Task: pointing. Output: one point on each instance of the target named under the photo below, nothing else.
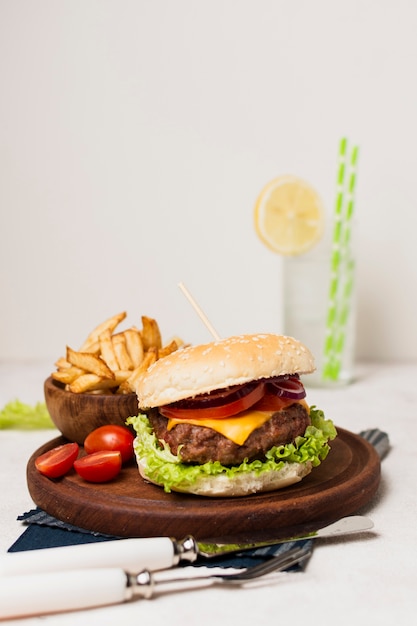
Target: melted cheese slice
(236, 428)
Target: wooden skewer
(198, 310)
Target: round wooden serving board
(130, 507)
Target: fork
(146, 583)
(54, 592)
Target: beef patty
(200, 444)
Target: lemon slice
(289, 216)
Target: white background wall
(137, 134)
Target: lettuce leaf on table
(20, 416)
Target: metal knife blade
(344, 526)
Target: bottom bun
(221, 486)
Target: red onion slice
(288, 387)
(218, 397)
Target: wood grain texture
(130, 507)
(76, 414)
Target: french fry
(90, 382)
(130, 384)
(168, 349)
(62, 363)
(123, 358)
(134, 346)
(93, 348)
(180, 342)
(67, 375)
(90, 363)
(120, 376)
(107, 350)
(151, 335)
(110, 362)
(110, 324)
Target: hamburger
(229, 418)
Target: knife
(55, 592)
(153, 553)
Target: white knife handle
(132, 555)
(54, 592)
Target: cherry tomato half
(99, 467)
(111, 437)
(58, 461)
(237, 401)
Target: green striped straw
(347, 276)
(329, 340)
(341, 283)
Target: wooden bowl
(77, 414)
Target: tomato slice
(99, 467)
(272, 402)
(234, 401)
(58, 461)
(217, 397)
(111, 437)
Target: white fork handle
(132, 555)
(54, 592)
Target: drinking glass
(319, 309)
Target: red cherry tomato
(58, 461)
(234, 402)
(99, 467)
(111, 437)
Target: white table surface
(370, 580)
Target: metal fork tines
(146, 583)
(275, 564)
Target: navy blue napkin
(45, 531)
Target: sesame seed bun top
(233, 361)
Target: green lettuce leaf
(20, 416)
(166, 468)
